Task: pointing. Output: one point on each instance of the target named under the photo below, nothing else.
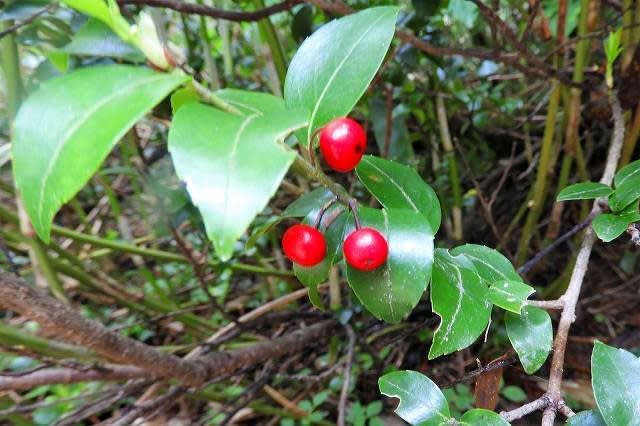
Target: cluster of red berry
(342, 143)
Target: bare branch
(520, 412)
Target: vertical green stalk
(449, 155)
(10, 62)
(540, 185)
(224, 29)
(269, 35)
(210, 63)
(627, 31)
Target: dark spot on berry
(358, 149)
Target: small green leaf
(95, 38)
(399, 187)
(624, 195)
(183, 96)
(615, 377)
(394, 289)
(490, 264)
(531, 335)
(421, 402)
(332, 68)
(608, 227)
(584, 191)
(510, 295)
(480, 416)
(81, 115)
(586, 418)
(459, 297)
(627, 174)
(513, 393)
(232, 164)
(308, 202)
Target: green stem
(211, 98)
(269, 35)
(142, 251)
(305, 169)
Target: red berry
(304, 245)
(342, 143)
(365, 249)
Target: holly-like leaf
(608, 227)
(232, 164)
(510, 295)
(531, 335)
(421, 402)
(80, 117)
(400, 187)
(459, 297)
(586, 418)
(615, 377)
(584, 191)
(332, 68)
(480, 416)
(490, 264)
(395, 288)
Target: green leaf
(480, 416)
(183, 96)
(95, 38)
(586, 418)
(584, 191)
(627, 183)
(459, 297)
(333, 67)
(394, 289)
(400, 148)
(531, 335)
(608, 227)
(81, 116)
(513, 393)
(21, 9)
(309, 202)
(615, 377)
(510, 295)
(399, 187)
(490, 264)
(231, 164)
(421, 402)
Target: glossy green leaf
(531, 335)
(586, 418)
(95, 38)
(231, 164)
(459, 297)
(334, 66)
(627, 174)
(510, 295)
(183, 96)
(608, 227)
(309, 202)
(81, 116)
(584, 191)
(490, 264)
(615, 378)
(480, 416)
(421, 401)
(400, 187)
(394, 289)
(625, 195)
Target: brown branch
(582, 262)
(540, 403)
(227, 15)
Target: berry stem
(312, 150)
(323, 210)
(353, 206)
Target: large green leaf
(480, 416)
(490, 264)
(510, 295)
(232, 164)
(333, 67)
(398, 186)
(421, 402)
(531, 335)
(586, 418)
(584, 191)
(459, 297)
(627, 174)
(615, 377)
(394, 289)
(608, 227)
(64, 131)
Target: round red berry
(304, 245)
(342, 143)
(365, 249)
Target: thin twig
(344, 392)
(520, 412)
(27, 20)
